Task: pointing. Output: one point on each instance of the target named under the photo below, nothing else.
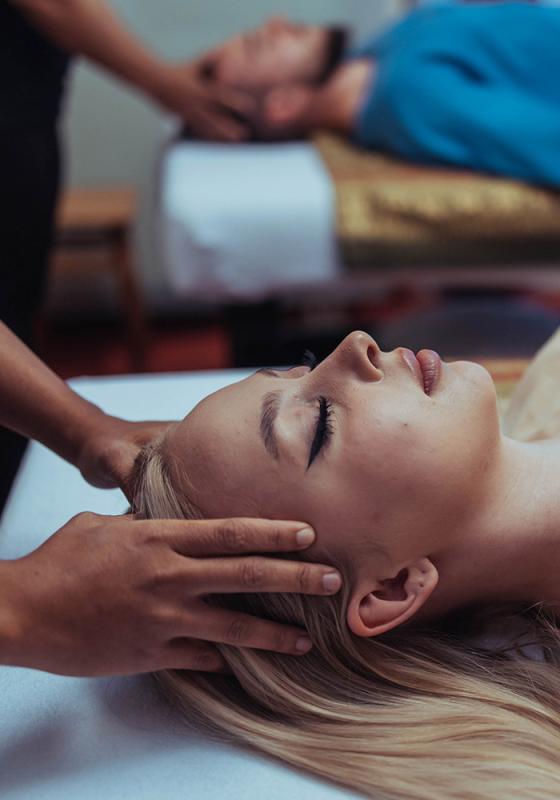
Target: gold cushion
(389, 212)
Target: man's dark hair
(337, 41)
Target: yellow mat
(389, 212)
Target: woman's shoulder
(534, 409)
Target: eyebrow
(267, 371)
(269, 412)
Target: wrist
(107, 446)
(12, 615)
(161, 86)
(87, 425)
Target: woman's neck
(510, 548)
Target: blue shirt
(475, 86)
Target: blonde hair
(416, 713)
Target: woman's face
(355, 447)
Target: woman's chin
(471, 381)
(471, 371)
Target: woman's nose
(358, 352)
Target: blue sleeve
(434, 112)
(388, 37)
(371, 47)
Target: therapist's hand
(210, 110)
(114, 595)
(109, 447)
(38, 404)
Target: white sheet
(245, 221)
(81, 739)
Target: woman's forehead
(219, 419)
(217, 443)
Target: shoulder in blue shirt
(473, 86)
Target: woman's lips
(430, 365)
(413, 364)
(426, 367)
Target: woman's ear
(392, 601)
(286, 106)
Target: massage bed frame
(324, 219)
(358, 240)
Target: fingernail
(304, 644)
(305, 537)
(332, 582)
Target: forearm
(38, 404)
(90, 28)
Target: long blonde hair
(416, 713)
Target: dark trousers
(29, 182)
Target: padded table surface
(87, 739)
(245, 221)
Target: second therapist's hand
(210, 110)
(114, 595)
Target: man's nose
(276, 23)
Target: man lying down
(471, 86)
(427, 506)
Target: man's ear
(391, 601)
(286, 106)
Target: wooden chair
(96, 222)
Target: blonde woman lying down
(429, 509)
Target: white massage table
(108, 739)
(251, 222)
(243, 222)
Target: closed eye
(324, 424)
(308, 359)
(323, 430)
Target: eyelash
(324, 428)
(309, 359)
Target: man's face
(278, 52)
